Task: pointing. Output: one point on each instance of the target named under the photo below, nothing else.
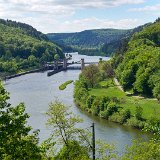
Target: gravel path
(121, 88)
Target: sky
(60, 16)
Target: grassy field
(151, 107)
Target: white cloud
(146, 8)
(94, 23)
(47, 15)
(61, 7)
(90, 23)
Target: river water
(37, 90)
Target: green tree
(91, 74)
(56, 57)
(106, 67)
(138, 112)
(73, 152)
(15, 140)
(106, 151)
(142, 151)
(64, 122)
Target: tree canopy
(23, 47)
(140, 66)
(16, 140)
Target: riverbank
(109, 102)
(37, 91)
(6, 76)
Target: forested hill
(139, 67)
(111, 47)
(89, 41)
(22, 47)
(25, 28)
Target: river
(37, 90)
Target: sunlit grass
(151, 107)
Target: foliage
(73, 152)
(16, 142)
(106, 69)
(91, 74)
(23, 47)
(139, 111)
(65, 131)
(153, 125)
(27, 29)
(105, 151)
(90, 42)
(139, 68)
(64, 85)
(134, 122)
(142, 151)
(56, 57)
(126, 114)
(108, 101)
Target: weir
(58, 66)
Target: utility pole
(93, 141)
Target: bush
(125, 114)
(153, 125)
(138, 113)
(134, 122)
(111, 108)
(116, 117)
(96, 106)
(89, 101)
(104, 114)
(73, 151)
(140, 150)
(120, 117)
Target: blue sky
(77, 15)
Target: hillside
(22, 47)
(89, 42)
(112, 47)
(25, 28)
(139, 67)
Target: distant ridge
(94, 42)
(88, 40)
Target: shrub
(89, 101)
(111, 108)
(115, 100)
(116, 117)
(104, 101)
(96, 106)
(125, 114)
(134, 122)
(104, 114)
(138, 113)
(153, 125)
(73, 151)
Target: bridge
(58, 66)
